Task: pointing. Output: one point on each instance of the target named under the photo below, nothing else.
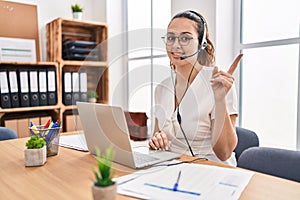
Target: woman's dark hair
(207, 56)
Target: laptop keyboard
(141, 158)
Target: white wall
(115, 10)
(226, 37)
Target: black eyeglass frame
(164, 38)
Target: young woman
(196, 108)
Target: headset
(203, 44)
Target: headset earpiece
(203, 44)
(203, 41)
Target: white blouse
(197, 112)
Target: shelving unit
(60, 30)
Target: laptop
(105, 125)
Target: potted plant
(104, 187)
(36, 152)
(92, 96)
(77, 11)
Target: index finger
(235, 64)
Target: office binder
(79, 43)
(52, 97)
(79, 50)
(34, 90)
(4, 89)
(75, 87)
(24, 88)
(83, 86)
(43, 87)
(67, 88)
(14, 89)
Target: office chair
(7, 133)
(274, 161)
(246, 139)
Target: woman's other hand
(159, 140)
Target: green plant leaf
(92, 94)
(104, 174)
(35, 142)
(76, 8)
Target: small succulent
(104, 174)
(76, 8)
(35, 142)
(92, 94)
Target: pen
(57, 123)
(176, 184)
(47, 124)
(33, 128)
(171, 189)
(50, 126)
(50, 131)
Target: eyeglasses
(183, 40)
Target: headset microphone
(184, 57)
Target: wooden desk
(69, 176)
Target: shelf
(28, 63)
(85, 23)
(85, 63)
(24, 109)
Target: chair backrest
(274, 161)
(246, 139)
(7, 133)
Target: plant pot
(92, 100)
(104, 193)
(35, 157)
(77, 15)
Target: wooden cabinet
(60, 31)
(79, 47)
(62, 34)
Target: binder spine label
(24, 82)
(4, 83)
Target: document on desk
(76, 141)
(195, 181)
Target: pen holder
(50, 135)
